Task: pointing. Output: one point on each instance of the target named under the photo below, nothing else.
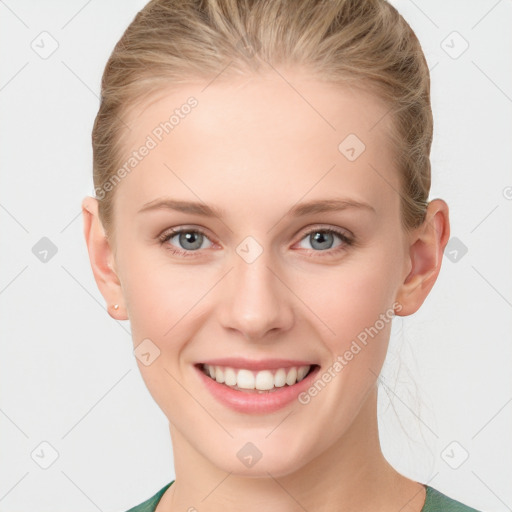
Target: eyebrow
(308, 208)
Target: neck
(351, 475)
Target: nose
(255, 302)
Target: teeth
(219, 375)
(263, 380)
(229, 376)
(280, 378)
(291, 376)
(245, 379)
(301, 373)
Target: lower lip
(254, 402)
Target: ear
(102, 260)
(426, 248)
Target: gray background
(68, 374)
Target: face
(256, 237)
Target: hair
(362, 43)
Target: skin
(255, 147)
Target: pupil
(191, 238)
(324, 240)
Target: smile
(266, 380)
(256, 387)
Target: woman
(262, 175)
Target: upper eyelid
(341, 232)
(175, 231)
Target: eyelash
(167, 235)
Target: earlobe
(425, 257)
(102, 259)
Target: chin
(259, 458)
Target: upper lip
(251, 364)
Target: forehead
(300, 104)
(264, 132)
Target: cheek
(161, 296)
(158, 302)
(352, 296)
(356, 303)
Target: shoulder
(150, 504)
(436, 501)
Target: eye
(185, 240)
(189, 241)
(324, 239)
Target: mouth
(260, 381)
(256, 387)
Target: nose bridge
(257, 301)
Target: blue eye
(189, 240)
(324, 239)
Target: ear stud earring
(116, 306)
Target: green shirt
(435, 501)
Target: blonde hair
(363, 43)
